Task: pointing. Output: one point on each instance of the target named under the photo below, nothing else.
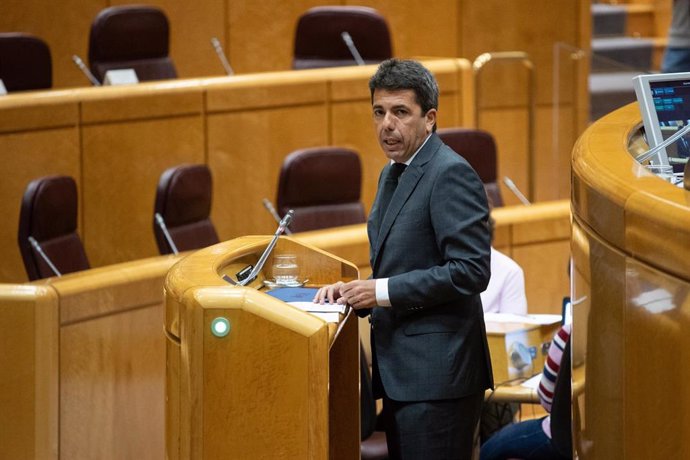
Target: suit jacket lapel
(406, 185)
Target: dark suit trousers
(432, 430)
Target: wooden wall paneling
(530, 26)
(354, 128)
(657, 311)
(553, 143)
(509, 128)
(546, 277)
(112, 386)
(119, 195)
(262, 34)
(418, 28)
(192, 24)
(248, 141)
(29, 381)
(27, 155)
(112, 361)
(64, 25)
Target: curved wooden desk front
(282, 384)
(631, 309)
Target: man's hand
(358, 294)
(330, 293)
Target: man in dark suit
(430, 256)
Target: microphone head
(288, 218)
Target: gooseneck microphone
(221, 55)
(272, 211)
(37, 247)
(85, 70)
(262, 260)
(164, 228)
(347, 38)
(516, 191)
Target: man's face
(401, 127)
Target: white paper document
(532, 382)
(528, 319)
(327, 312)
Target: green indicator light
(220, 327)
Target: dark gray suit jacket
(434, 246)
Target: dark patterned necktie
(389, 186)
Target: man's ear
(430, 121)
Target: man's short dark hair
(397, 74)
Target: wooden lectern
(282, 383)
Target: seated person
(504, 294)
(506, 290)
(531, 439)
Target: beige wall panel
(192, 24)
(262, 34)
(31, 114)
(354, 128)
(119, 196)
(552, 155)
(523, 25)
(545, 285)
(281, 89)
(419, 28)
(64, 25)
(246, 151)
(509, 128)
(29, 379)
(658, 312)
(101, 361)
(554, 140)
(28, 156)
(122, 104)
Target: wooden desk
(281, 384)
(503, 338)
(83, 364)
(631, 314)
(117, 141)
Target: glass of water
(285, 269)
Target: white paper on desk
(532, 382)
(528, 319)
(328, 317)
(312, 307)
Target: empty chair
(131, 37)
(183, 202)
(25, 62)
(479, 149)
(318, 41)
(322, 185)
(48, 228)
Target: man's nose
(389, 121)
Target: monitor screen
(664, 101)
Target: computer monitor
(664, 101)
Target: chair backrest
(131, 37)
(479, 149)
(318, 42)
(322, 185)
(49, 215)
(183, 199)
(561, 416)
(25, 62)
